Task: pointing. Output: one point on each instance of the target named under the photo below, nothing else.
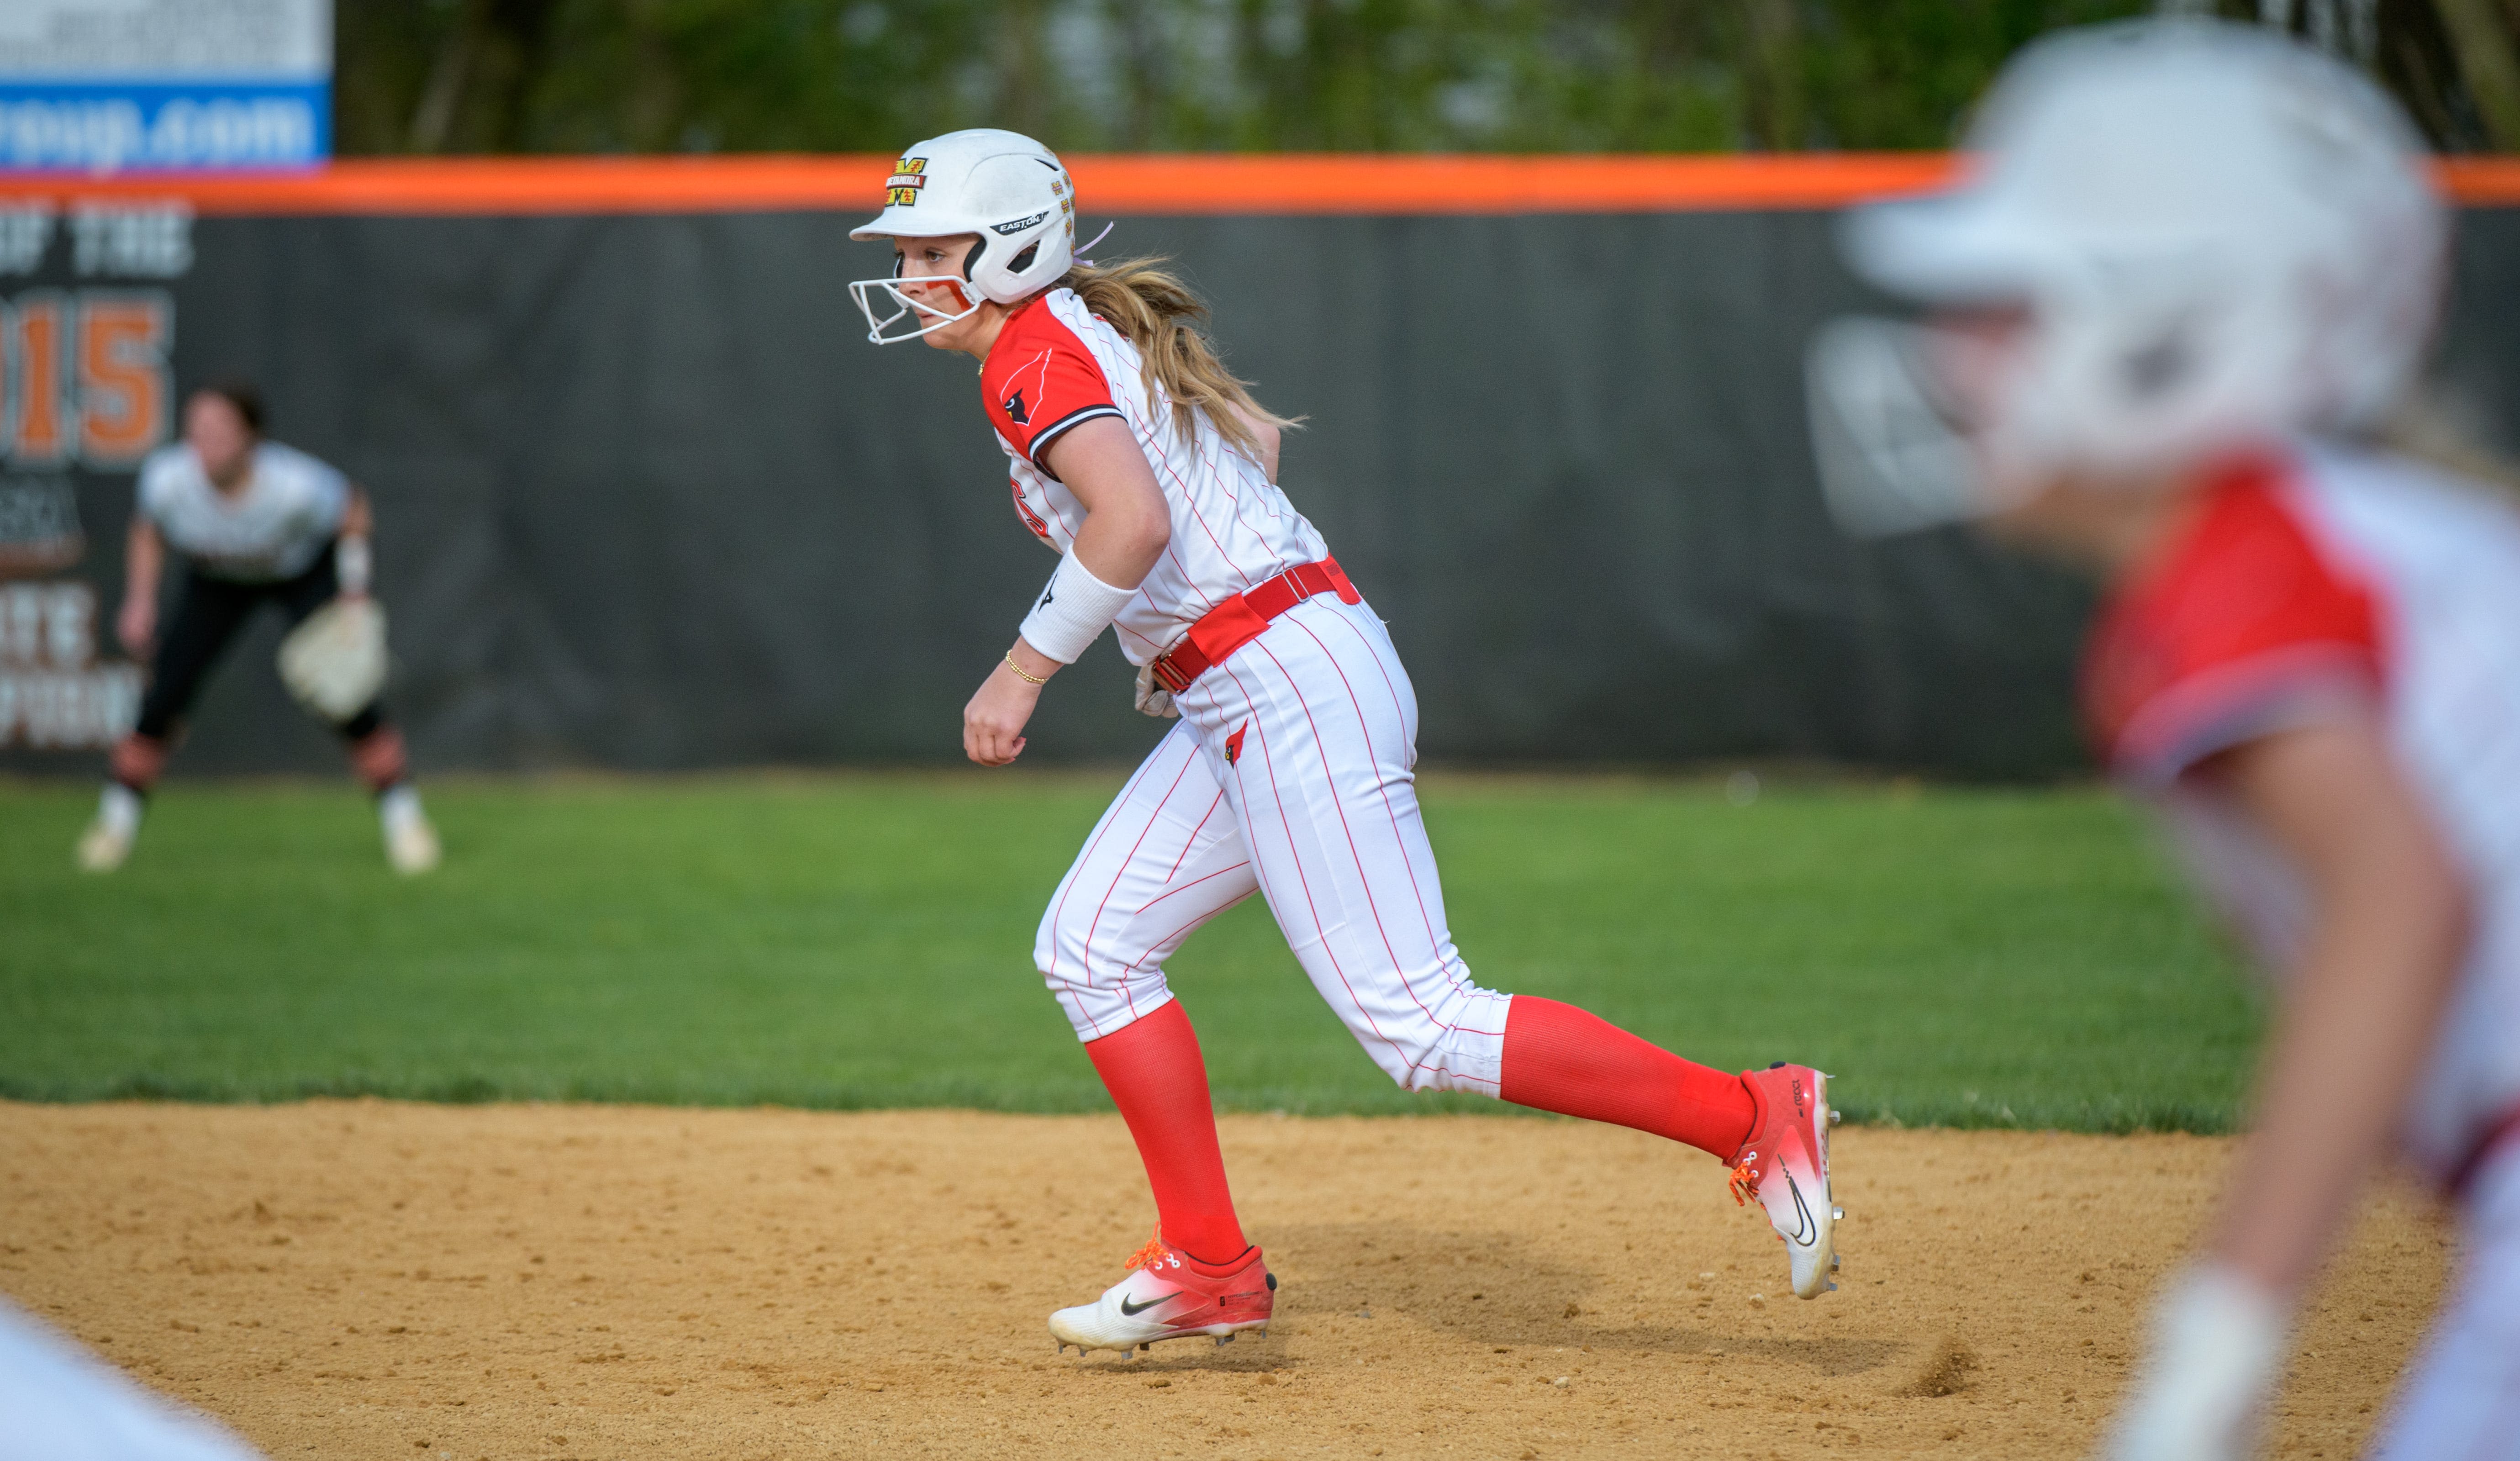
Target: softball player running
(257, 523)
(2195, 268)
(1152, 472)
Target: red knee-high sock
(1156, 1077)
(1560, 1058)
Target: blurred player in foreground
(2193, 272)
(1151, 472)
(59, 1403)
(257, 523)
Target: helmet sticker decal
(1020, 224)
(901, 190)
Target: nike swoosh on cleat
(1133, 1311)
(1805, 1232)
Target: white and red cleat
(1169, 1294)
(1785, 1165)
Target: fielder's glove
(334, 662)
(2218, 1343)
(1153, 699)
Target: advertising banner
(87, 326)
(102, 86)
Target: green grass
(1959, 957)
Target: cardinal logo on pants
(1234, 744)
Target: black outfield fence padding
(648, 498)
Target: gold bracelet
(1029, 680)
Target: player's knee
(1457, 1046)
(1070, 958)
(1414, 1058)
(1098, 1007)
(1058, 949)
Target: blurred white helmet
(1003, 187)
(2213, 236)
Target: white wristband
(351, 563)
(1073, 611)
(2218, 1347)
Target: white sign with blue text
(117, 85)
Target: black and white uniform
(273, 541)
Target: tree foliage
(1519, 75)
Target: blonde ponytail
(1157, 311)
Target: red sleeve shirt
(2246, 625)
(1041, 382)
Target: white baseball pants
(2461, 1401)
(1289, 774)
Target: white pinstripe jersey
(1056, 365)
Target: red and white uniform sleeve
(2249, 624)
(1056, 365)
(1041, 383)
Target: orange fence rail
(1141, 184)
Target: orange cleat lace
(1744, 1184)
(1152, 1252)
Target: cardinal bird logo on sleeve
(1017, 411)
(1234, 744)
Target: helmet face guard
(2213, 239)
(2117, 374)
(1890, 435)
(864, 293)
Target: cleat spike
(1832, 1287)
(1834, 1114)
(1837, 1214)
(1835, 1262)
(1224, 1339)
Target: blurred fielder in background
(1290, 768)
(257, 523)
(2193, 273)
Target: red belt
(1239, 620)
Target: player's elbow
(1146, 530)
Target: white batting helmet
(1003, 187)
(2218, 236)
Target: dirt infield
(364, 1279)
